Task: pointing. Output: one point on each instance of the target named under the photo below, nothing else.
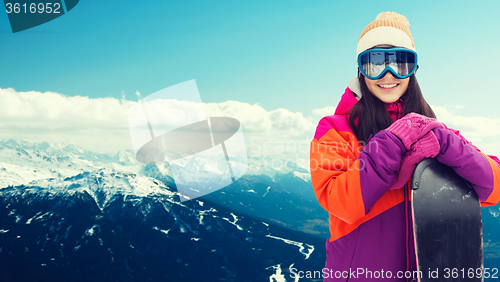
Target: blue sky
(295, 55)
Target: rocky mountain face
(68, 214)
(109, 225)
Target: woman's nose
(388, 73)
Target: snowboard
(447, 224)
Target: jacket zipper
(407, 201)
(407, 230)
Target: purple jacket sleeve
(380, 160)
(467, 162)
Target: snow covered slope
(71, 214)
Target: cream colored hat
(388, 28)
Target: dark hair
(369, 115)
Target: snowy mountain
(111, 225)
(281, 196)
(69, 214)
(24, 161)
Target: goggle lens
(375, 63)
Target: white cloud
(171, 113)
(326, 111)
(98, 124)
(101, 124)
(483, 132)
(51, 110)
(255, 119)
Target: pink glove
(426, 147)
(412, 127)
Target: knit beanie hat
(388, 28)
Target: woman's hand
(425, 147)
(412, 127)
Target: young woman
(363, 156)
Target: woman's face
(388, 88)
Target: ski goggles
(374, 63)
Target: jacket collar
(395, 109)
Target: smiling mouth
(388, 86)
